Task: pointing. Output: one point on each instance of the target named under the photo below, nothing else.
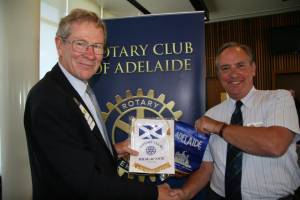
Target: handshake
(165, 192)
(190, 147)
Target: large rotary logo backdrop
(154, 67)
(138, 105)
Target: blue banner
(154, 67)
(190, 147)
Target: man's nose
(90, 52)
(233, 71)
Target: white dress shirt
(80, 86)
(266, 178)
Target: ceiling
(218, 10)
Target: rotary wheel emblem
(118, 119)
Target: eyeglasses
(82, 46)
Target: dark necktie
(233, 173)
(93, 99)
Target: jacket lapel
(62, 82)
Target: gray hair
(78, 15)
(227, 45)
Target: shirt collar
(78, 85)
(247, 100)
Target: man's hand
(123, 149)
(180, 193)
(208, 125)
(165, 193)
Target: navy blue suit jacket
(69, 160)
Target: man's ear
(218, 74)
(253, 69)
(58, 43)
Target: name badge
(86, 114)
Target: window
(51, 12)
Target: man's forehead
(233, 52)
(237, 50)
(84, 28)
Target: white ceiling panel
(119, 8)
(219, 10)
(166, 6)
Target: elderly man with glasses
(71, 156)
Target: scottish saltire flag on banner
(154, 67)
(149, 132)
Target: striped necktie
(93, 99)
(233, 173)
